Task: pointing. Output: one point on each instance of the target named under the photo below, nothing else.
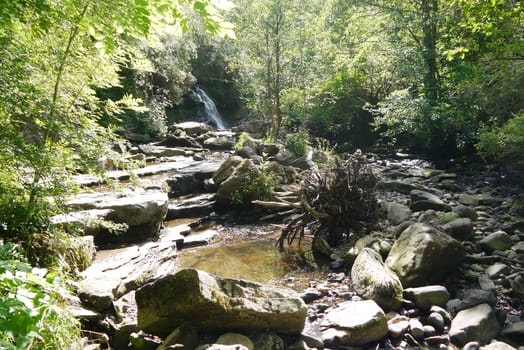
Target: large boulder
(470, 298)
(226, 169)
(183, 184)
(354, 323)
(373, 280)
(465, 212)
(142, 213)
(424, 255)
(217, 304)
(250, 153)
(237, 188)
(268, 148)
(423, 200)
(193, 178)
(193, 207)
(285, 156)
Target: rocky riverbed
(442, 269)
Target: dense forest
(439, 78)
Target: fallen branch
(276, 205)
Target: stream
(173, 226)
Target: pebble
(321, 307)
(514, 330)
(310, 295)
(437, 340)
(323, 288)
(436, 320)
(518, 248)
(498, 345)
(416, 328)
(498, 240)
(398, 325)
(429, 331)
(337, 264)
(411, 313)
(425, 297)
(445, 314)
(336, 277)
(472, 345)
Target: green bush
(244, 136)
(298, 143)
(31, 300)
(506, 142)
(259, 186)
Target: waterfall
(210, 108)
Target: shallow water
(260, 260)
(257, 260)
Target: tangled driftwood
(333, 201)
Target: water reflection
(259, 261)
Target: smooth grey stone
(436, 320)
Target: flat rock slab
(419, 195)
(192, 128)
(199, 238)
(217, 304)
(116, 272)
(471, 298)
(203, 169)
(354, 323)
(190, 207)
(142, 212)
(149, 170)
(89, 220)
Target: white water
(210, 108)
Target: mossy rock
(374, 280)
(216, 304)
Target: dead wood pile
(334, 201)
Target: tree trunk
(269, 61)
(429, 28)
(277, 110)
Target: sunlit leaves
(29, 316)
(496, 26)
(57, 55)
